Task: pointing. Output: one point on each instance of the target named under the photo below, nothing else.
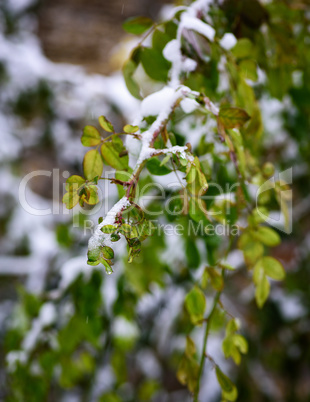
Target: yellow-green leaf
(248, 69)
(92, 164)
(225, 383)
(108, 229)
(267, 236)
(112, 158)
(70, 199)
(243, 48)
(74, 182)
(90, 136)
(105, 124)
(92, 195)
(233, 117)
(190, 349)
(262, 290)
(231, 396)
(195, 303)
(272, 268)
(129, 129)
(215, 278)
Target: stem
(203, 354)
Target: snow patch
(228, 41)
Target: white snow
(189, 105)
(153, 104)
(124, 328)
(47, 316)
(189, 65)
(172, 51)
(197, 25)
(72, 269)
(99, 238)
(14, 357)
(228, 41)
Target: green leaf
(195, 303)
(227, 346)
(154, 64)
(94, 254)
(100, 254)
(90, 136)
(215, 278)
(267, 236)
(233, 117)
(115, 237)
(110, 152)
(197, 208)
(252, 252)
(241, 343)
(129, 129)
(248, 69)
(153, 165)
(128, 71)
(137, 25)
(187, 373)
(165, 160)
(128, 231)
(108, 268)
(122, 176)
(224, 265)
(192, 253)
(70, 199)
(92, 195)
(108, 229)
(225, 383)
(160, 40)
(134, 251)
(262, 285)
(190, 349)
(195, 179)
(231, 396)
(74, 182)
(272, 268)
(243, 48)
(105, 124)
(232, 326)
(110, 397)
(107, 252)
(92, 164)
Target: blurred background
(60, 63)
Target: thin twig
(203, 354)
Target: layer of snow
(99, 238)
(124, 328)
(189, 105)
(72, 269)
(47, 316)
(228, 41)
(153, 104)
(197, 25)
